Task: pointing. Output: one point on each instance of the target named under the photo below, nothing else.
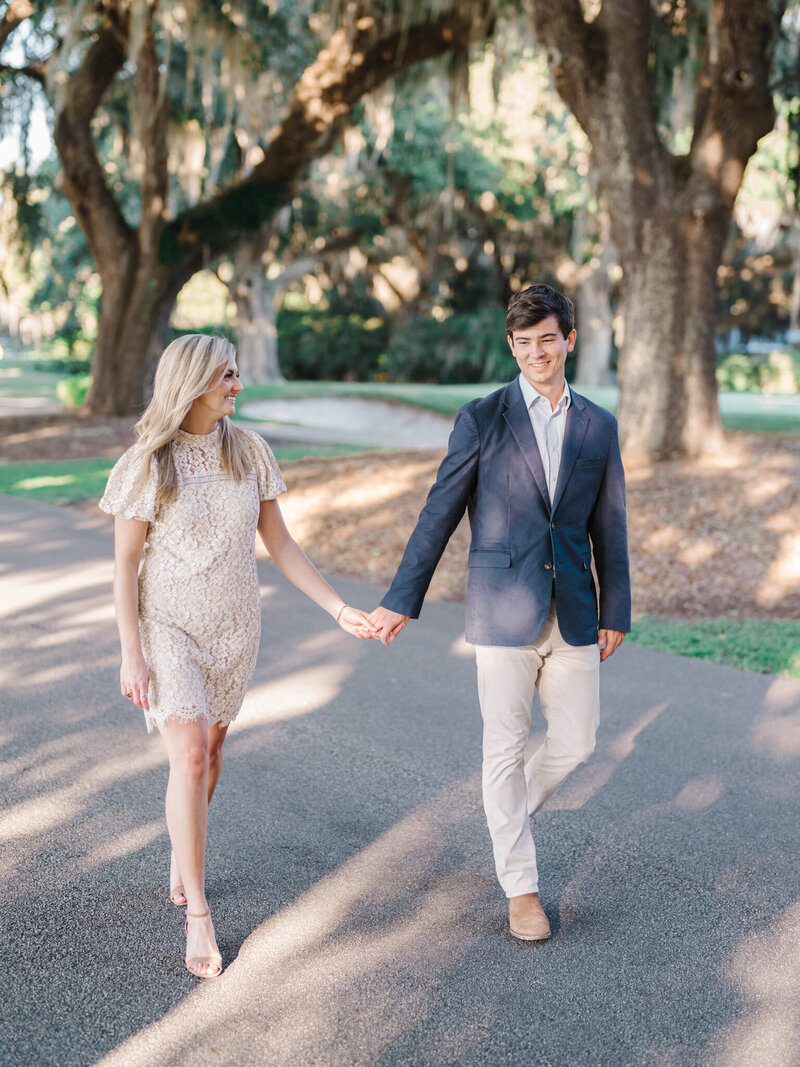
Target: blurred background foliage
(461, 180)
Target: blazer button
(548, 566)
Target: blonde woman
(188, 498)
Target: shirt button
(548, 566)
(552, 526)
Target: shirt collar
(531, 396)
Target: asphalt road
(350, 872)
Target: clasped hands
(382, 624)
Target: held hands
(382, 624)
(356, 622)
(134, 681)
(388, 624)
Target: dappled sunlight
(612, 750)
(764, 969)
(124, 844)
(39, 586)
(42, 813)
(700, 793)
(390, 903)
(776, 730)
(767, 487)
(665, 537)
(783, 577)
(292, 695)
(701, 551)
(736, 512)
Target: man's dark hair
(537, 302)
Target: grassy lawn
(73, 481)
(445, 399)
(17, 380)
(768, 646)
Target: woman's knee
(191, 759)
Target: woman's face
(220, 399)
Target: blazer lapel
(519, 422)
(574, 432)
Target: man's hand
(608, 641)
(389, 624)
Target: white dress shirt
(548, 428)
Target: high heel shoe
(202, 961)
(176, 890)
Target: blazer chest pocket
(588, 462)
(489, 557)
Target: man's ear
(572, 337)
(510, 340)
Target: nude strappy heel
(202, 961)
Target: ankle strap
(197, 915)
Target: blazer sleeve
(608, 530)
(444, 508)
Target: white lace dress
(199, 597)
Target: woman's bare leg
(216, 738)
(187, 822)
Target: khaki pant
(516, 779)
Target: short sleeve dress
(199, 596)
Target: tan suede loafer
(527, 918)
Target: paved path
(351, 420)
(349, 866)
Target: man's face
(541, 352)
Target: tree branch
(576, 51)
(16, 13)
(737, 108)
(152, 115)
(35, 72)
(342, 74)
(83, 179)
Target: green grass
(768, 646)
(17, 380)
(73, 481)
(65, 482)
(445, 399)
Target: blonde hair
(188, 367)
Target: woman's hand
(134, 681)
(356, 622)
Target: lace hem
(153, 720)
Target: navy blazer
(523, 549)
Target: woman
(190, 495)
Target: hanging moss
(238, 213)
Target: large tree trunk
(666, 377)
(131, 333)
(256, 326)
(669, 214)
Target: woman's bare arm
(289, 557)
(129, 538)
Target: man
(539, 468)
